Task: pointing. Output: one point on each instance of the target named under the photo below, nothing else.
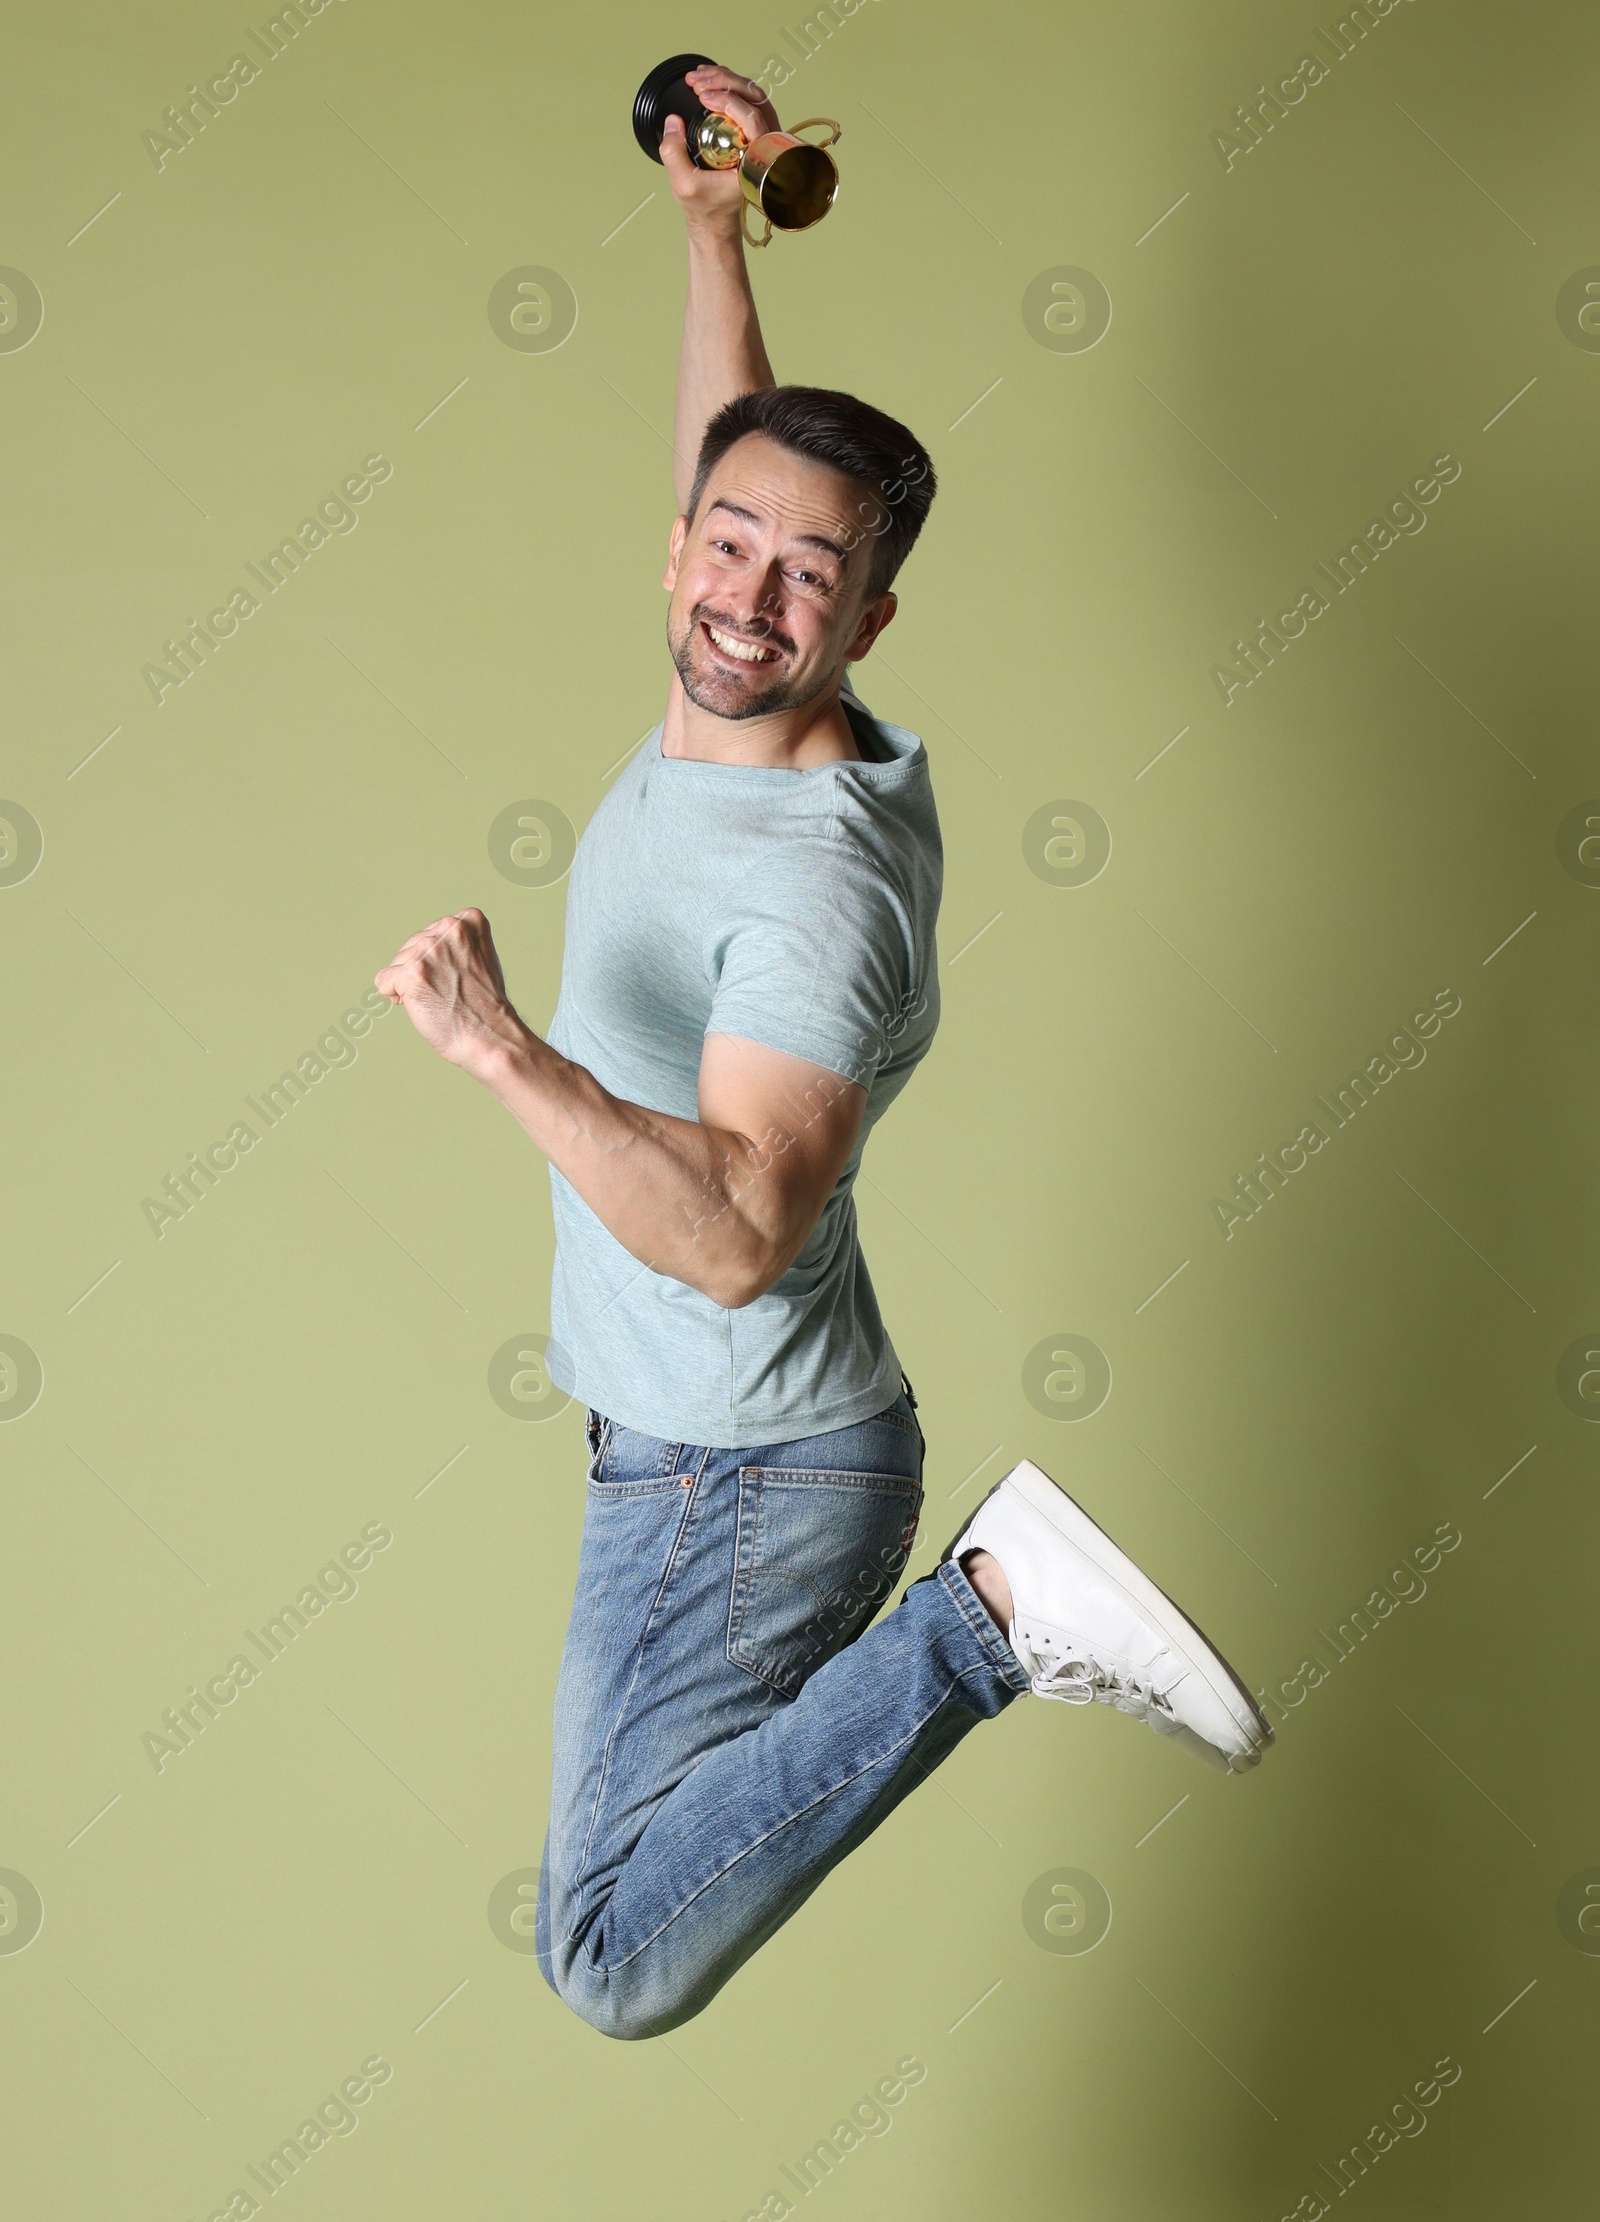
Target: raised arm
(723, 352)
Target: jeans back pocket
(817, 1553)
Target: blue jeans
(727, 1724)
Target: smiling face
(769, 582)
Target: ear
(680, 533)
(877, 614)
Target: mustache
(762, 629)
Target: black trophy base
(665, 94)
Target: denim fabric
(727, 1724)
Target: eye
(725, 547)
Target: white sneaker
(1092, 1629)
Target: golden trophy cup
(790, 182)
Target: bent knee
(619, 2004)
(615, 2015)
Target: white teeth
(747, 651)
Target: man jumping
(749, 981)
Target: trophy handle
(835, 130)
(744, 225)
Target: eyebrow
(804, 539)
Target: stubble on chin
(723, 694)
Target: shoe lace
(1079, 1677)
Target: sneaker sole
(1182, 1636)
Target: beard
(733, 694)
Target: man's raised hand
(448, 981)
(715, 193)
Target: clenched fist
(715, 194)
(448, 981)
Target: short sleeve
(814, 954)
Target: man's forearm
(723, 352)
(724, 1202)
(700, 1203)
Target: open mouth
(730, 649)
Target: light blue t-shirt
(793, 908)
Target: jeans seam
(864, 1478)
(651, 1618)
(892, 1419)
(651, 1485)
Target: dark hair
(849, 436)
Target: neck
(818, 732)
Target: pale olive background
(1296, 340)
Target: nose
(759, 597)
